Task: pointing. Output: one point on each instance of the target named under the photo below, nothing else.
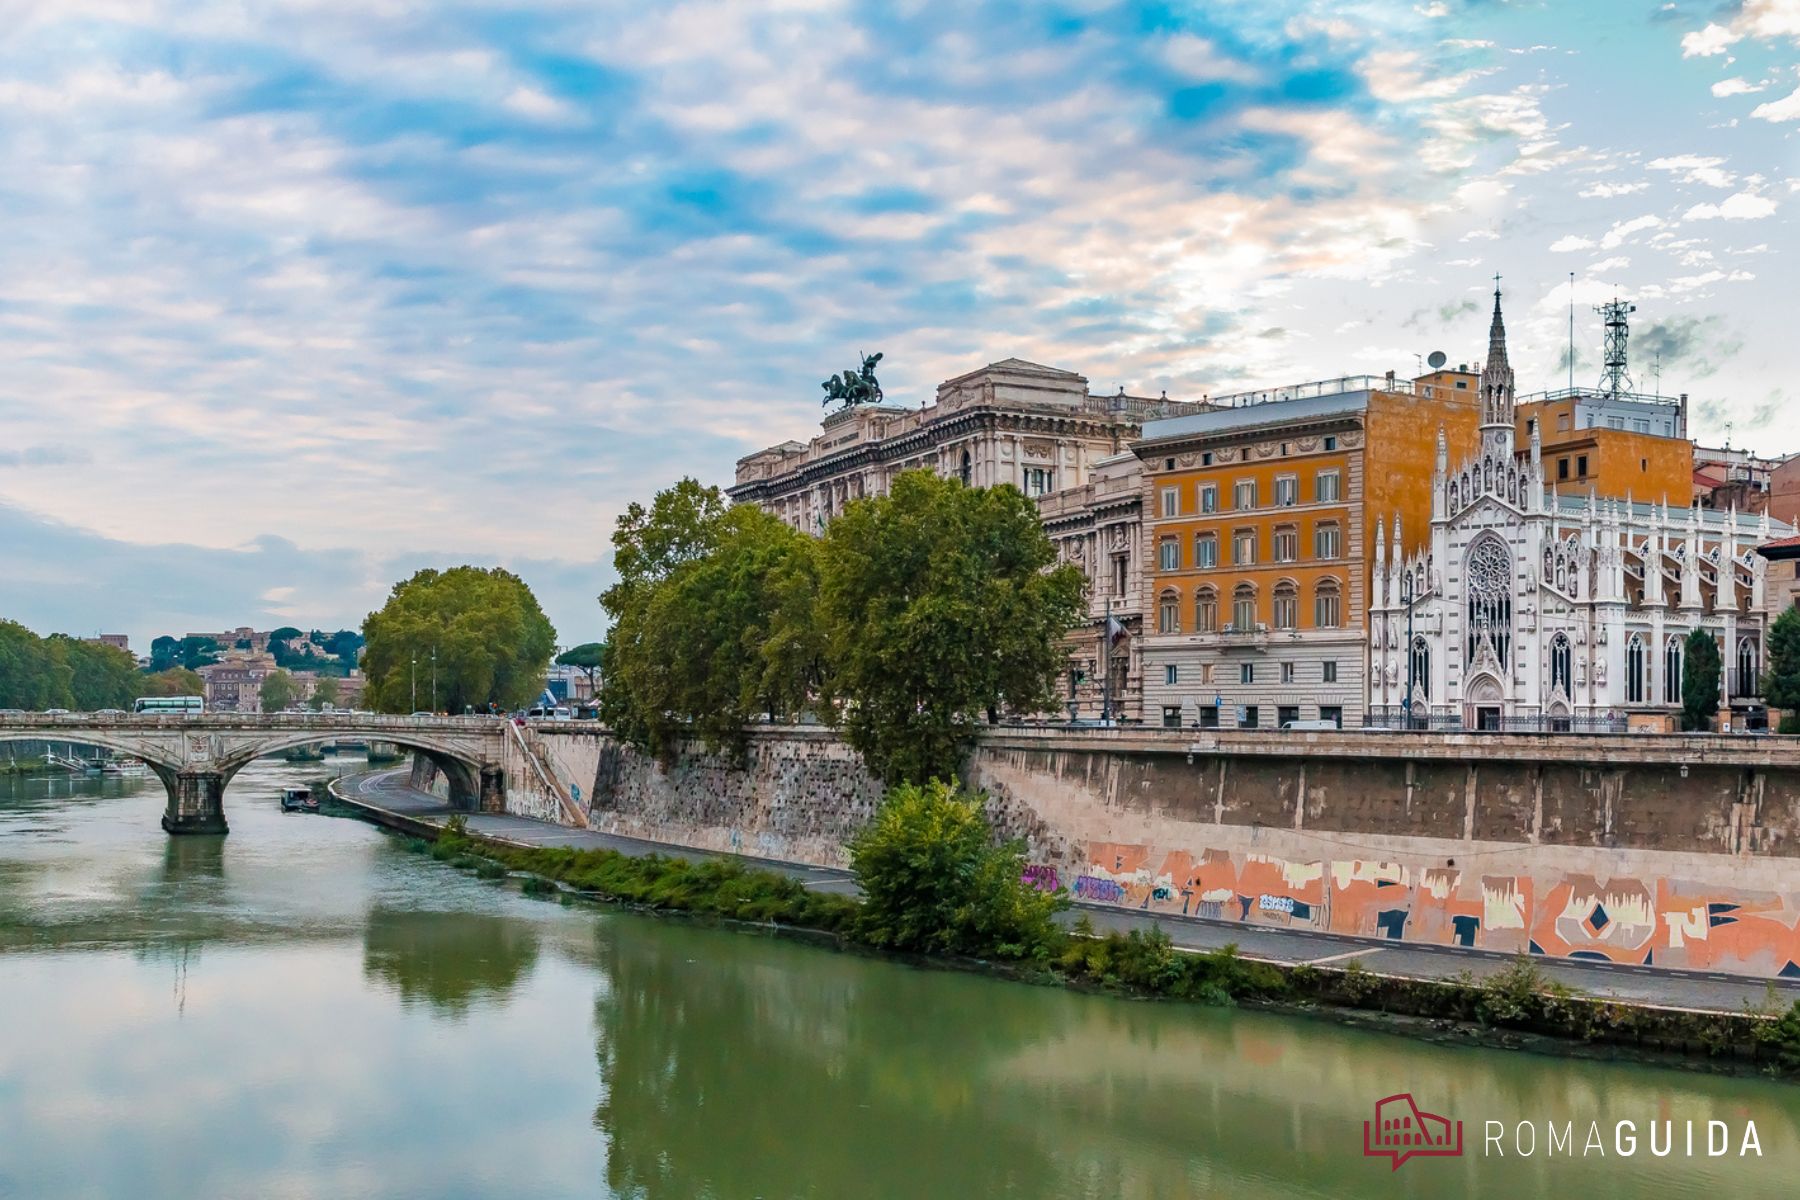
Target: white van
(1299, 726)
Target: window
(1243, 547)
(1169, 674)
(1209, 716)
(1206, 549)
(1206, 673)
(1530, 426)
(1168, 613)
(1325, 487)
(1206, 612)
(1746, 683)
(1168, 464)
(1615, 422)
(1562, 422)
(1287, 543)
(968, 470)
(1325, 540)
(1209, 497)
(1286, 714)
(1039, 481)
(1421, 668)
(1672, 670)
(1560, 659)
(1490, 584)
(1287, 672)
(1243, 608)
(1287, 492)
(1247, 672)
(1330, 442)
(1328, 670)
(1243, 495)
(1640, 427)
(1171, 502)
(1120, 571)
(1562, 468)
(1634, 670)
(1249, 721)
(1333, 713)
(1327, 609)
(1206, 458)
(1287, 607)
(1284, 447)
(1171, 716)
(1168, 554)
(1580, 466)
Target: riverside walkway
(386, 797)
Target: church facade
(1527, 609)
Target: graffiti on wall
(1667, 922)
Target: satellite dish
(1438, 359)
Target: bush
(537, 885)
(1780, 1038)
(935, 882)
(487, 868)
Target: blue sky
(295, 297)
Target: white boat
(125, 768)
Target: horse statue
(855, 386)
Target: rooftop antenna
(1571, 331)
(1656, 373)
(1614, 314)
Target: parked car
(56, 712)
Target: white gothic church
(1531, 610)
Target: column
(196, 803)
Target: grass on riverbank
(1517, 1006)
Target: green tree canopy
(492, 641)
(1781, 687)
(325, 691)
(1699, 680)
(165, 652)
(176, 681)
(279, 691)
(100, 676)
(31, 676)
(939, 602)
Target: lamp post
(415, 682)
(434, 706)
(1406, 598)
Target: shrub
(934, 881)
(1517, 993)
(487, 868)
(1781, 1038)
(537, 885)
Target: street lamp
(434, 706)
(415, 683)
(1406, 598)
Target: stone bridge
(196, 756)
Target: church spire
(1496, 390)
(1496, 359)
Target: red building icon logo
(1401, 1131)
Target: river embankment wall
(1671, 851)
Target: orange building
(1258, 539)
(1617, 446)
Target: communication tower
(1613, 379)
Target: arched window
(1746, 683)
(1672, 670)
(1490, 577)
(1168, 612)
(1206, 611)
(1243, 608)
(1421, 667)
(968, 469)
(1561, 659)
(1328, 609)
(1287, 605)
(1634, 670)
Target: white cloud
(1704, 43)
(1572, 242)
(534, 103)
(1604, 191)
(1622, 230)
(1734, 87)
(1744, 206)
(1785, 109)
(1695, 169)
(1200, 58)
(1618, 263)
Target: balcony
(1253, 636)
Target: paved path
(388, 791)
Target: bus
(161, 706)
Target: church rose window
(1490, 600)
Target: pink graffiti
(1043, 878)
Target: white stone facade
(1534, 610)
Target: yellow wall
(1403, 453)
(1620, 463)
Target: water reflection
(193, 858)
(452, 961)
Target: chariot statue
(856, 386)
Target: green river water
(304, 1009)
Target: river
(305, 1009)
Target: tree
(279, 690)
(589, 656)
(197, 652)
(1699, 681)
(1781, 686)
(325, 691)
(492, 641)
(939, 603)
(31, 677)
(935, 882)
(165, 652)
(100, 676)
(176, 681)
(345, 643)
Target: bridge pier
(196, 803)
(493, 789)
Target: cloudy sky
(298, 296)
